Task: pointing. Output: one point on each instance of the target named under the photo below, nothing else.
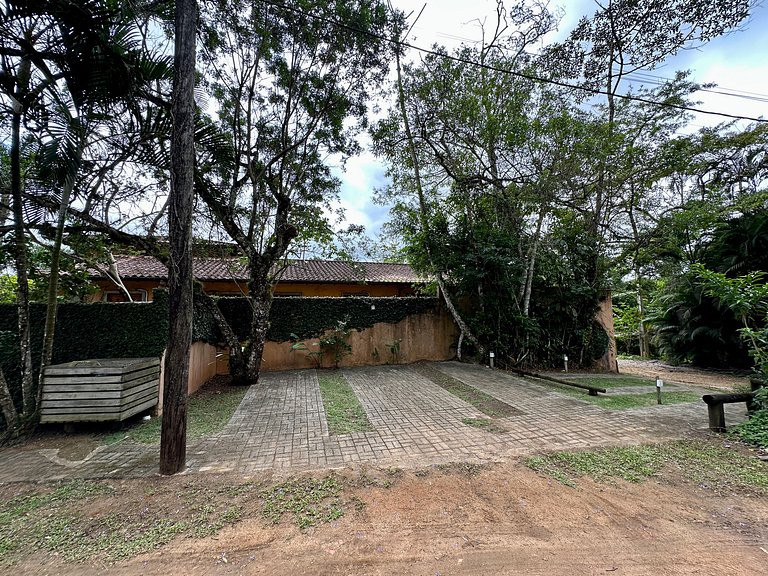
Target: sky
(737, 62)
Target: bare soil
(721, 380)
(461, 519)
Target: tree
(482, 162)
(174, 428)
(63, 66)
(621, 38)
(292, 86)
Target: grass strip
(343, 410)
(609, 381)
(705, 463)
(486, 403)
(208, 411)
(628, 401)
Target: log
(592, 389)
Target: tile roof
(212, 269)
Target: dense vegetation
(526, 177)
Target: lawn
(628, 401)
(609, 381)
(208, 411)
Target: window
(118, 296)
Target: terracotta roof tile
(212, 269)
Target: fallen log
(593, 390)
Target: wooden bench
(715, 405)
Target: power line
(533, 77)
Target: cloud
(359, 177)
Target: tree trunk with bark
(173, 441)
(22, 288)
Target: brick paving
(281, 425)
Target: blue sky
(736, 62)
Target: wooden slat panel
(98, 416)
(115, 410)
(108, 367)
(107, 404)
(119, 388)
(54, 380)
(94, 399)
(95, 393)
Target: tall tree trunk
(531, 267)
(22, 289)
(260, 296)
(173, 440)
(53, 275)
(7, 406)
(424, 217)
(645, 351)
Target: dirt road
(505, 519)
(684, 374)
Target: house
(141, 275)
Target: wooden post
(716, 416)
(173, 438)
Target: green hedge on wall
(310, 317)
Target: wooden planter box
(99, 390)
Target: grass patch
(628, 401)
(609, 381)
(310, 501)
(484, 424)
(486, 403)
(705, 463)
(80, 521)
(754, 431)
(343, 411)
(208, 411)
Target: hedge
(140, 329)
(310, 317)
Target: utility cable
(524, 75)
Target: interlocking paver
(281, 424)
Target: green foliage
(708, 465)
(343, 410)
(310, 501)
(755, 430)
(335, 342)
(299, 318)
(747, 298)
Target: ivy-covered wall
(137, 330)
(310, 317)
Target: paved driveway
(281, 425)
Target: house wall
(429, 336)
(220, 288)
(202, 367)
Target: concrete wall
(422, 337)
(202, 366)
